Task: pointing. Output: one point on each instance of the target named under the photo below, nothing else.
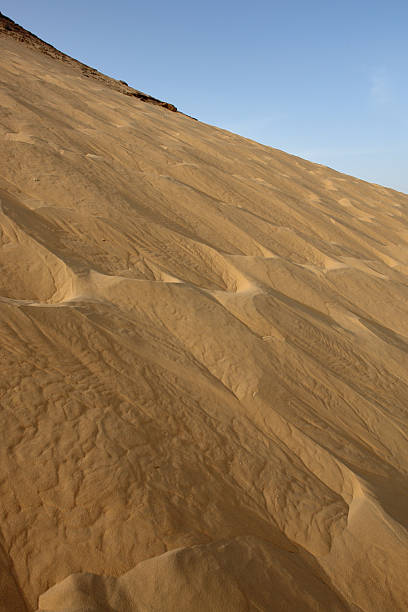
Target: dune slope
(204, 362)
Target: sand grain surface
(204, 363)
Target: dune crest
(237, 575)
(204, 361)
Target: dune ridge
(204, 351)
(13, 30)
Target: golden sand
(204, 363)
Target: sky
(326, 80)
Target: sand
(204, 362)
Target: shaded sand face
(204, 363)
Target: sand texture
(204, 363)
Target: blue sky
(325, 80)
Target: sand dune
(204, 362)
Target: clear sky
(323, 79)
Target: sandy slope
(204, 363)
